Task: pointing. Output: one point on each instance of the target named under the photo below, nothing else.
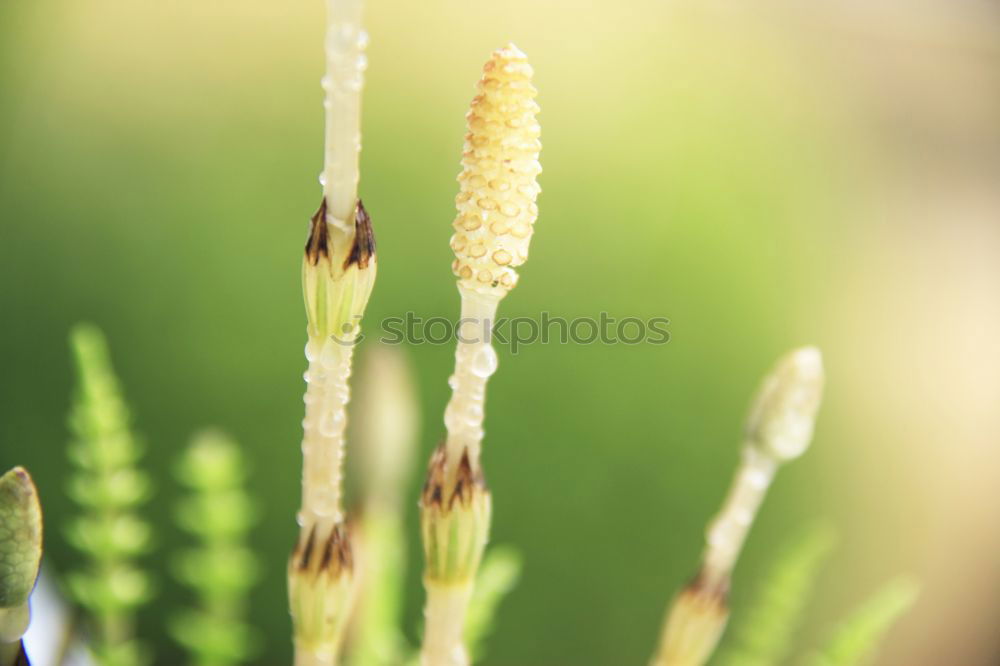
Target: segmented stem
(345, 66)
(475, 361)
(337, 277)
(444, 619)
(326, 397)
(727, 532)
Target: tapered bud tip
(781, 419)
(455, 511)
(498, 185)
(338, 273)
(323, 554)
(442, 490)
(363, 248)
(320, 589)
(359, 247)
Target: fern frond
(764, 635)
(220, 569)
(857, 638)
(108, 488)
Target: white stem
(345, 66)
(444, 623)
(326, 397)
(726, 534)
(475, 361)
(307, 657)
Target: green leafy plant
(109, 488)
(764, 636)
(221, 569)
(855, 641)
(777, 430)
(498, 575)
(385, 436)
(345, 576)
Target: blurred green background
(765, 178)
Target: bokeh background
(764, 176)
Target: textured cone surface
(20, 537)
(498, 186)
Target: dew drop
(484, 363)
(328, 357)
(452, 418)
(758, 479)
(330, 422)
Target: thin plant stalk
(778, 428)
(496, 214)
(345, 65)
(383, 442)
(338, 271)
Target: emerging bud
(338, 272)
(321, 591)
(20, 550)
(454, 519)
(694, 624)
(778, 428)
(782, 416)
(498, 186)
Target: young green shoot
(498, 575)
(338, 271)
(778, 428)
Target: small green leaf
(121, 488)
(212, 639)
(499, 573)
(109, 538)
(217, 571)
